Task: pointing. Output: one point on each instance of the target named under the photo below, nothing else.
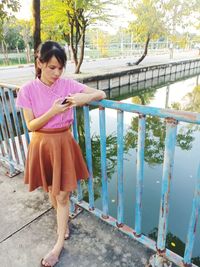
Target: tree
(148, 24)
(80, 14)
(178, 17)
(36, 23)
(25, 32)
(6, 9)
(67, 20)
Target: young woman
(54, 159)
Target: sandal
(50, 259)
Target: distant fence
(14, 138)
(93, 51)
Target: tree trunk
(145, 51)
(80, 61)
(28, 56)
(73, 49)
(18, 54)
(36, 22)
(4, 50)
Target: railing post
(140, 174)
(193, 222)
(89, 155)
(75, 134)
(102, 127)
(170, 142)
(120, 150)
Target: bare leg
(52, 199)
(62, 216)
(53, 202)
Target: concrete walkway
(28, 232)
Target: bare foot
(49, 260)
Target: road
(19, 75)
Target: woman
(54, 159)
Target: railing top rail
(10, 86)
(185, 116)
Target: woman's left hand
(78, 99)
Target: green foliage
(54, 20)
(12, 34)
(147, 20)
(179, 16)
(7, 6)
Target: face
(50, 71)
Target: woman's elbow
(102, 95)
(30, 127)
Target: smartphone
(65, 101)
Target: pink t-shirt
(39, 98)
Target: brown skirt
(54, 160)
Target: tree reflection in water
(111, 156)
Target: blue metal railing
(14, 138)
(172, 118)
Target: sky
(25, 11)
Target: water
(183, 95)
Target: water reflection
(191, 101)
(155, 139)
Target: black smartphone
(65, 101)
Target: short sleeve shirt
(39, 98)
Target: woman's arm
(89, 94)
(34, 124)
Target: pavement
(28, 232)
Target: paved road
(19, 75)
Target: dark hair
(46, 51)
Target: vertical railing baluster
(88, 148)
(120, 150)
(9, 124)
(1, 141)
(75, 134)
(75, 128)
(140, 174)
(193, 222)
(170, 142)
(16, 123)
(25, 129)
(6, 140)
(102, 126)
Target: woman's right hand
(57, 107)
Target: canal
(181, 95)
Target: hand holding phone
(65, 101)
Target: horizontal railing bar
(185, 116)
(10, 86)
(16, 165)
